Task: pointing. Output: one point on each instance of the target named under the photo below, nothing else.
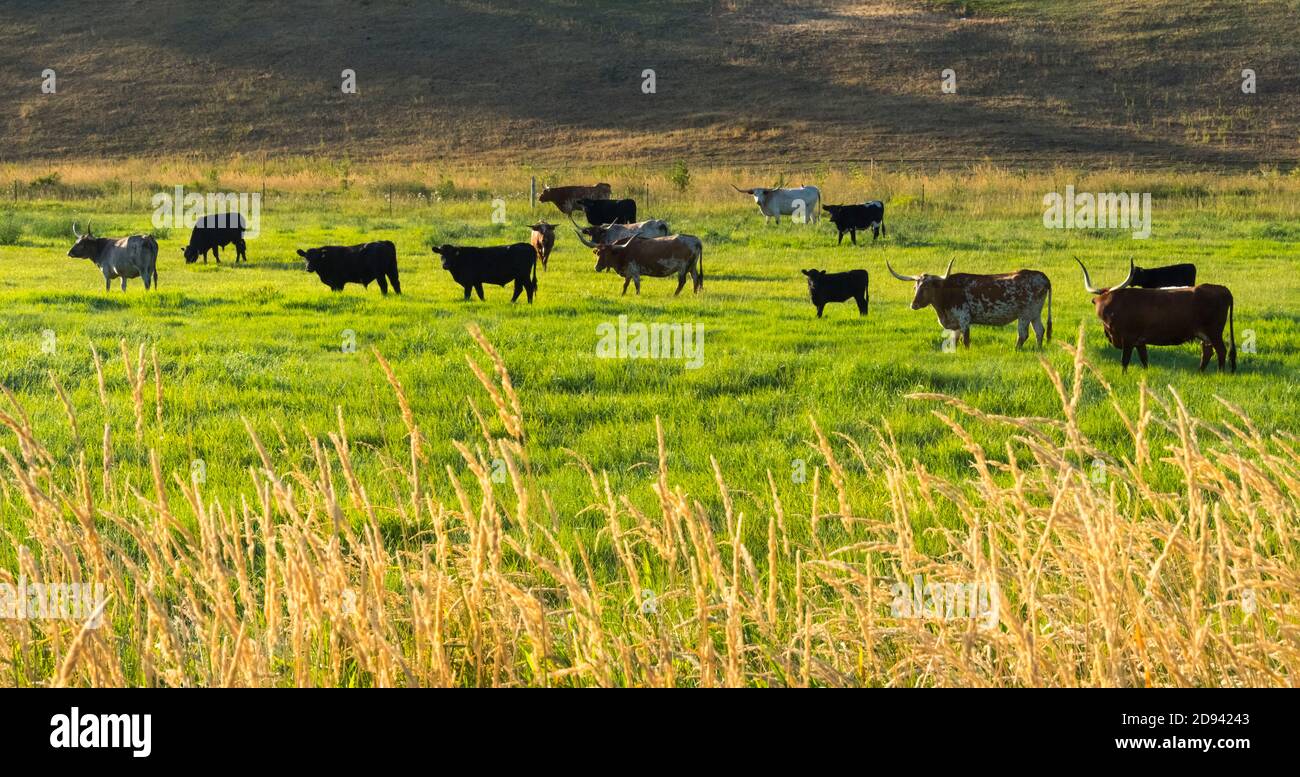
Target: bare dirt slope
(555, 80)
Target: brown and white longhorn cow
(964, 299)
(1135, 318)
(655, 257)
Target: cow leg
(840, 241)
(1142, 354)
(862, 304)
(530, 286)
(108, 283)
(820, 307)
(519, 289)
(123, 283)
(681, 283)
(1206, 351)
(383, 285)
(392, 278)
(626, 281)
(240, 256)
(467, 288)
(636, 279)
(965, 337)
(1022, 333)
(216, 253)
(1037, 324)
(1124, 360)
(853, 236)
(479, 288)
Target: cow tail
(700, 261)
(537, 256)
(1049, 309)
(1232, 337)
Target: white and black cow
(134, 256)
(965, 298)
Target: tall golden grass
(1101, 581)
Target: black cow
(601, 212)
(1164, 277)
(826, 287)
(851, 218)
(472, 267)
(339, 265)
(215, 231)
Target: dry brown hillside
(1083, 81)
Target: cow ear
(302, 252)
(806, 272)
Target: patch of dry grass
(1102, 578)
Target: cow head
(1099, 293)
(547, 195)
(759, 194)
(547, 230)
(813, 277)
(313, 258)
(192, 253)
(927, 286)
(607, 254)
(448, 254)
(86, 247)
(597, 234)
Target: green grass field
(265, 340)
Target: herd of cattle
(1158, 306)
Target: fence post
(532, 193)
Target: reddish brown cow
(964, 299)
(566, 197)
(1135, 318)
(543, 240)
(656, 257)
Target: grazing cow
(216, 231)
(565, 197)
(851, 218)
(964, 299)
(837, 287)
(786, 202)
(617, 233)
(134, 256)
(655, 257)
(472, 267)
(600, 212)
(1164, 277)
(1136, 318)
(543, 240)
(340, 265)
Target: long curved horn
(582, 239)
(900, 277)
(74, 231)
(624, 244)
(750, 192)
(89, 231)
(950, 261)
(1087, 282)
(1131, 272)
